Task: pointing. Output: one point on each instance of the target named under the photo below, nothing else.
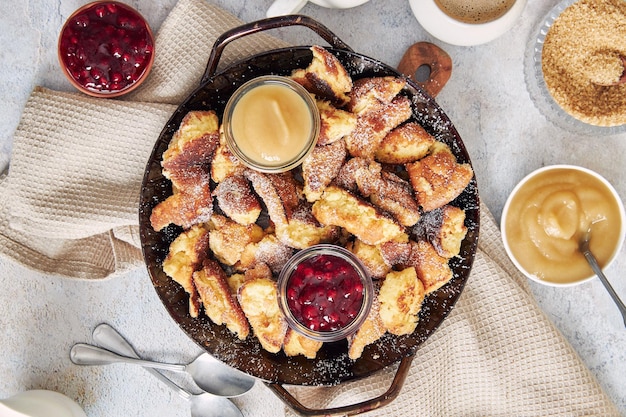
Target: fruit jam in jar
(106, 48)
(325, 292)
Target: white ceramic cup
(455, 32)
(40, 403)
(283, 7)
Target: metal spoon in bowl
(208, 373)
(202, 405)
(583, 246)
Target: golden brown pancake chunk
(385, 190)
(393, 195)
(320, 167)
(219, 304)
(225, 164)
(372, 329)
(444, 228)
(347, 176)
(432, 269)
(404, 144)
(339, 207)
(335, 123)
(369, 93)
(228, 239)
(439, 178)
(395, 253)
(185, 163)
(268, 251)
(185, 256)
(259, 300)
(373, 125)
(280, 193)
(325, 77)
(401, 297)
(235, 197)
(371, 257)
(235, 281)
(192, 145)
(296, 344)
(184, 209)
(303, 230)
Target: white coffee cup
(40, 403)
(457, 32)
(283, 7)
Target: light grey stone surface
(486, 98)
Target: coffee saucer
(454, 32)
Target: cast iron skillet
(332, 365)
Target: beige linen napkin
(69, 207)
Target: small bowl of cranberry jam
(106, 49)
(325, 293)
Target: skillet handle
(263, 25)
(353, 409)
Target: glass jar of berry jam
(106, 49)
(325, 292)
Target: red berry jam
(325, 293)
(106, 47)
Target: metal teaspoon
(583, 245)
(207, 372)
(202, 405)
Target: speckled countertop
(486, 98)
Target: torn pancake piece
(219, 304)
(185, 256)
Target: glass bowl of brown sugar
(573, 64)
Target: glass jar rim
(339, 252)
(271, 80)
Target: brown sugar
(582, 61)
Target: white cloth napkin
(69, 207)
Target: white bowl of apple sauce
(271, 123)
(546, 215)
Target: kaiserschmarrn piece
(401, 297)
(370, 93)
(406, 143)
(225, 164)
(385, 190)
(219, 304)
(347, 176)
(304, 230)
(444, 228)
(393, 195)
(372, 329)
(235, 197)
(371, 257)
(185, 163)
(279, 193)
(269, 251)
(296, 344)
(339, 207)
(259, 301)
(228, 239)
(186, 254)
(432, 269)
(321, 167)
(438, 178)
(325, 77)
(335, 123)
(192, 145)
(374, 124)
